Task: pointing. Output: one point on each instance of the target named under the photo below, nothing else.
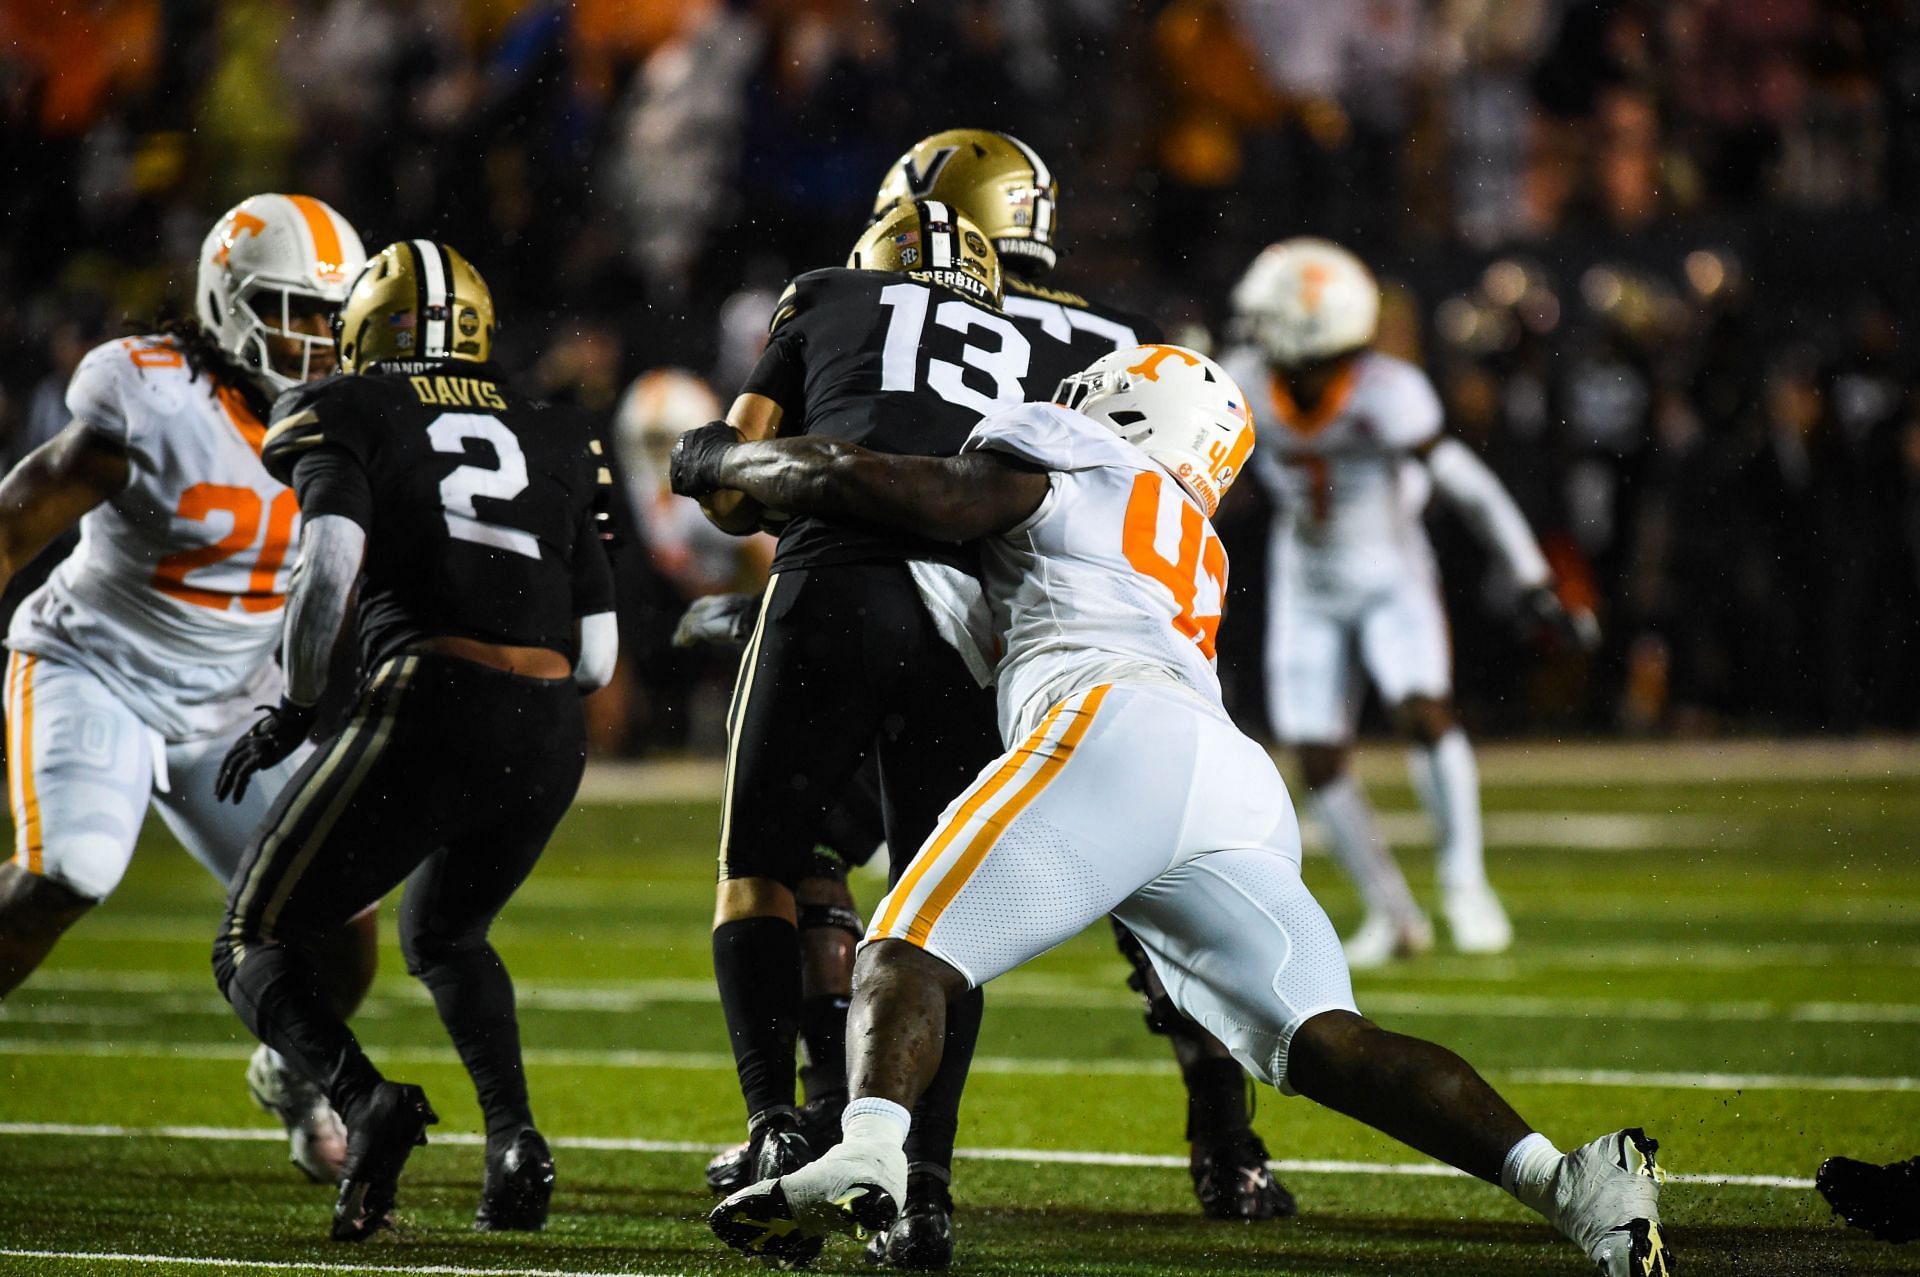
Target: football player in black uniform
(847, 658)
(1006, 189)
(485, 605)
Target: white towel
(959, 608)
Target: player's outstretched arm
(946, 498)
(51, 488)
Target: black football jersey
(481, 522)
(899, 365)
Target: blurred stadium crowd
(1657, 257)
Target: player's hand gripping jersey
(173, 597)
(1343, 475)
(1117, 577)
(906, 367)
(479, 503)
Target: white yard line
(1064, 1157)
(313, 1266)
(180, 996)
(1517, 763)
(1015, 1066)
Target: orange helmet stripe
(326, 238)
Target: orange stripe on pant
(897, 898)
(996, 824)
(30, 849)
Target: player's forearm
(48, 492)
(946, 499)
(1466, 483)
(331, 550)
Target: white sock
(1343, 811)
(877, 1121)
(1448, 782)
(1528, 1170)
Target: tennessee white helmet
(1175, 405)
(267, 251)
(1305, 300)
(655, 411)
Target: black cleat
(921, 1238)
(384, 1129)
(1232, 1181)
(777, 1143)
(731, 1169)
(518, 1187)
(758, 1221)
(1883, 1200)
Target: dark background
(1659, 258)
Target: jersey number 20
(449, 432)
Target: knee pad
(837, 917)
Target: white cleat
(1380, 939)
(317, 1137)
(1476, 921)
(848, 1189)
(1606, 1197)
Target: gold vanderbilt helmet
(415, 300)
(995, 179)
(931, 241)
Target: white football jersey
(1117, 577)
(1347, 488)
(173, 597)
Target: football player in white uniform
(140, 661)
(1125, 789)
(1350, 450)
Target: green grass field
(1743, 980)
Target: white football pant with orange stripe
(1142, 800)
(82, 767)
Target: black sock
(1216, 1101)
(823, 1031)
(936, 1118)
(474, 995)
(756, 962)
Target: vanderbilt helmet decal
(934, 242)
(415, 300)
(999, 182)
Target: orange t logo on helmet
(1149, 367)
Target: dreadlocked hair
(205, 355)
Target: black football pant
(448, 776)
(844, 665)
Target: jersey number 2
(503, 481)
(1198, 555)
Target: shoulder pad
(1045, 294)
(308, 416)
(801, 293)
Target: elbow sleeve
(599, 650)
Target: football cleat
(851, 1189)
(518, 1187)
(1883, 1200)
(1476, 920)
(1232, 1181)
(921, 1237)
(317, 1139)
(731, 1169)
(1380, 939)
(1605, 1196)
(384, 1131)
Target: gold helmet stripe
(433, 271)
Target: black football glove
(277, 734)
(694, 470)
(718, 620)
(1542, 612)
